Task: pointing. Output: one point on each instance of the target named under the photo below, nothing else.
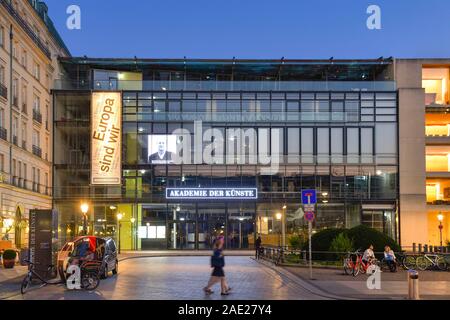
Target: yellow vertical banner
(106, 138)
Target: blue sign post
(309, 200)
(309, 197)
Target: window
(25, 175)
(2, 163)
(38, 180)
(15, 89)
(307, 135)
(15, 127)
(46, 182)
(2, 75)
(2, 36)
(24, 134)
(2, 118)
(37, 71)
(24, 58)
(36, 103)
(323, 145)
(24, 99)
(36, 139)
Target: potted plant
(9, 258)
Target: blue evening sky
(255, 28)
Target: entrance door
(240, 230)
(181, 235)
(212, 221)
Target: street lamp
(441, 226)
(84, 210)
(279, 216)
(133, 232)
(119, 218)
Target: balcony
(3, 134)
(37, 116)
(37, 151)
(3, 91)
(24, 25)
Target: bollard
(420, 248)
(413, 285)
(425, 248)
(414, 247)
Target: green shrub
(342, 244)
(321, 241)
(364, 236)
(9, 255)
(295, 241)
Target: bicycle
(32, 274)
(408, 262)
(429, 261)
(362, 267)
(350, 263)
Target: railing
(3, 91)
(25, 184)
(3, 134)
(37, 151)
(130, 85)
(37, 116)
(28, 30)
(426, 248)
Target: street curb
(302, 282)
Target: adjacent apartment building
(29, 48)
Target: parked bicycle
(33, 275)
(429, 261)
(403, 260)
(354, 264)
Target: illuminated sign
(212, 193)
(106, 137)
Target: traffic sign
(309, 216)
(309, 197)
(309, 208)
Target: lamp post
(279, 217)
(133, 220)
(84, 210)
(283, 225)
(119, 218)
(441, 226)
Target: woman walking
(218, 275)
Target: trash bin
(413, 285)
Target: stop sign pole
(309, 199)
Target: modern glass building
(224, 147)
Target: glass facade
(342, 143)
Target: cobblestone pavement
(182, 278)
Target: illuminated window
(435, 81)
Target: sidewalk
(10, 274)
(433, 284)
